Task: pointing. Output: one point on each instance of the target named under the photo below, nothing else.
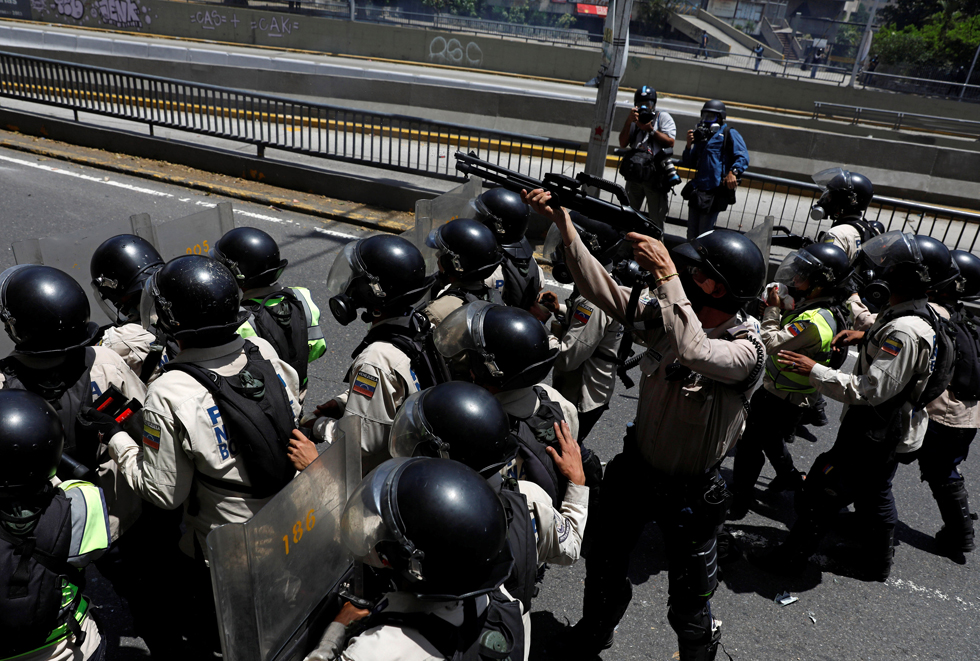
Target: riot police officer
(119, 267)
(845, 198)
(438, 530)
(955, 416)
(589, 339)
(46, 314)
(806, 322)
(286, 317)
(507, 351)
(519, 278)
(668, 470)
(463, 421)
(384, 276)
(215, 425)
(468, 254)
(885, 396)
(47, 536)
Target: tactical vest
(258, 416)
(39, 603)
(522, 281)
(415, 341)
(497, 634)
(965, 384)
(68, 388)
(863, 227)
(284, 325)
(788, 381)
(534, 434)
(485, 293)
(523, 545)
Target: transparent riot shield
(761, 236)
(430, 214)
(72, 253)
(276, 576)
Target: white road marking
(339, 235)
(49, 168)
(556, 285)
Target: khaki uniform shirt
(381, 379)
(558, 533)
(684, 426)
(803, 338)
(946, 409)
(183, 434)
(897, 351)
(846, 237)
(861, 317)
(132, 343)
(439, 308)
(583, 371)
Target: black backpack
(415, 341)
(258, 417)
(523, 545)
(283, 325)
(965, 383)
(944, 355)
(639, 164)
(522, 282)
(534, 434)
(33, 568)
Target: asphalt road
(927, 610)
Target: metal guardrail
(897, 120)
(947, 89)
(406, 144)
(394, 142)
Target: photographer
(649, 134)
(719, 156)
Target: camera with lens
(702, 132)
(665, 167)
(645, 115)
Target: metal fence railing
(395, 142)
(407, 144)
(897, 120)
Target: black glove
(104, 426)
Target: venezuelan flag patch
(365, 384)
(891, 346)
(796, 328)
(583, 313)
(151, 435)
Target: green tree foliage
(459, 7)
(652, 15)
(942, 41)
(903, 13)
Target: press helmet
(44, 310)
(119, 267)
(251, 255)
(645, 96)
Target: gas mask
(347, 275)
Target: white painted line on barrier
(77, 175)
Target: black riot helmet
(44, 310)
(715, 109)
(904, 263)
(504, 213)
(876, 226)
(31, 441)
(454, 420)
(119, 267)
(467, 249)
(251, 255)
(380, 274)
(845, 193)
(434, 522)
(645, 96)
(505, 347)
(194, 299)
(601, 240)
(940, 267)
(965, 286)
(727, 257)
(823, 265)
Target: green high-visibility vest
(788, 381)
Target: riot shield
(761, 236)
(72, 253)
(430, 214)
(276, 576)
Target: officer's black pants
(587, 420)
(770, 421)
(943, 449)
(632, 495)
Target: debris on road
(785, 599)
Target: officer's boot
(697, 640)
(956, 535)
(877, 554)
(791, 557)
(816, 413)
(749, 460)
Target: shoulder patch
(583, 313)
(892, 345)
(364, 384)
(151, 435)
(797, 327)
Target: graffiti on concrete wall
(276, 26)
(272, 26)
(453, 52)
(130, 14)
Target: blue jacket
(707, 159)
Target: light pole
(970, 73)
(865, 46)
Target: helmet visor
(362, 526)
(149, 315)
(343, 270)
(825, 177)
(552, 242)
(797, 269)
(891, 248)
(462, 330)
(411, 435)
